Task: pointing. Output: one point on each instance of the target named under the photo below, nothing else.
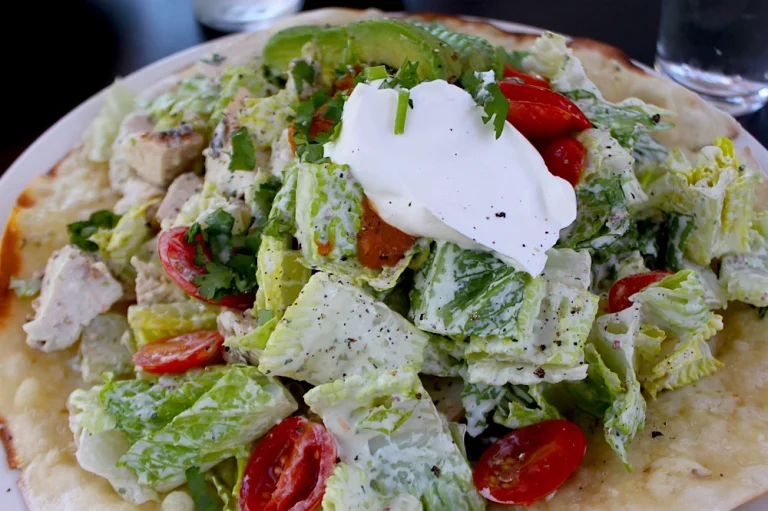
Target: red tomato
(530, 463)
(537, 120)
(178, 259)
(623, 289)
(516, 91)
(178, 354)
(511, 72)
(288, 468)
(565, 158)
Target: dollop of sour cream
(448, 178)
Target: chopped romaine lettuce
(240, 407)
(717, 192)
(745, 276)
(234, 79)
(466, 292)
(553, 352)
(570, 267)
(602, 217)
(606, 158)
(282, 217)
(118, 245)
(141, 407)
(715, 290)
(329, 210)
(334, 329)
(103, 130)
(200, 206)
(266, 118)
(280, 274)
(100, 445)
(395, 443)
(444, 356)
(191, 101)
(102, 348)
(522, 406)
(152, 322)
(479, 400)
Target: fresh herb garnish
(243, 153)
(214, 59)
(231, 266)
(303, 73)
(407, 76)
(403, 98)
(490, 97)
(79, 232)
(308, 148)
(203, 494)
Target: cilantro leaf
(243, 153)
(311, 153)
(214, 59)
(407, 76)
(266, 193)
(302, 72)
(214, 284)
(203, 494)
(79, 232)
(490, 97)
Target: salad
(308, 246)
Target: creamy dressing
(448, 178)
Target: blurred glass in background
(717, 48)
(243, 15)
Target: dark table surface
(60, 53)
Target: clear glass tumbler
(243, 15)
(717, 48)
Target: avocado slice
(476, 53)
(390, 42)
(286, 45)
(386, 42)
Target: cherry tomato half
(178, 259)
(537, 120)
(289, 468)
(565, 158)
(529, 463)
(178, 354)
(511, 72)
(516, 91)
(623, 289)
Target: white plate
(52, 145)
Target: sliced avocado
(386, 42)
(390, 42)
(476, 53)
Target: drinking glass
(243, 15)
(717, 48)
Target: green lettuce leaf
(479, 400)
(266, 118)
(715, 290)
(102, 348)
(334, 329)
(570, 267)
(745, 276)
(401, 446)
(235, 78)
(329, 210)
(153, 322)
(466, 292)
(140, 407)
(118, 245)
(552, 352)
(191, 102)
(239, 408)
(717, 192)
(522, 406)
(280, 274)
(100, 445)
(282, 216)
(103, 130)
(200, 206)
(444, 356)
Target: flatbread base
(712, 452)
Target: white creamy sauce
(448, 178)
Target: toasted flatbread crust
(712, 452)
